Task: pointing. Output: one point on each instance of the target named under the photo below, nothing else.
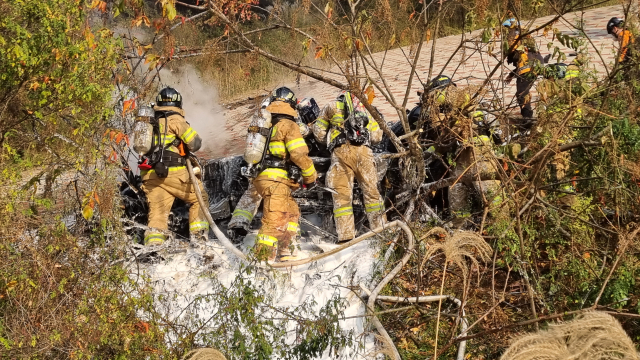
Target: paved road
(471, 66)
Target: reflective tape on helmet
(308, 171)
(478, 114)
(369, 208)
(154, 238)
(244, 213)
(188, 135)
(293, 227)
(266, 240)
(198, 225)
(295, 143)
(275, 173)
(277, 148)
(343, 211)
(323, 124)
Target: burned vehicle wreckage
(225, 183)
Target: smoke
(202, 109)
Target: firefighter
(348, 129)
(166, 177)
(286, 151)
(615, 27)
(526, 58)
(249, 202)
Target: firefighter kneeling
(163, 169)
(286, 155)
(349, 130)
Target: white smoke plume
(201, 105)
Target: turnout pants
(280, 214)
(349, 161)
(524, 83)
(160, 196)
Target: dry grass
(458, 247)
(592, 336)
(204, 354)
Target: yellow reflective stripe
(244, 213)
(277, 148)
(349, 101)
(373, 126)
(343, 211)
(295, 143)
(198, 225)
(323, 124)
(168, 139)
(374, 207)
(274, 130)
(188, 135)
(337, 119)
(171, 169)
(154, 238)
(334, 134)
(275, 173)
(339, 105)
(477, 114)
(292, 227)
(309, 171)
(266, 240)
(572, 74)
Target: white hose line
(219, 234)
(424, 299)
(339, 248)
(385, 281)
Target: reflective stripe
(339, 105)
(572, 74)
(292, 227)
(267, 240)
(295, 143)
(477, 114)
(373, 125)
(334, 134)
(171, 169)
(374, 207)
(343, 211)
(309, 171)
(198, 225)
(188, 135)
(274, 130)
(275, 173)
(244, 213)
(277, 148)
(337, 119)
(323, 124)
(154, 238)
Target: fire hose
(372, 297)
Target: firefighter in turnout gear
(248, 204)
(165, 176)
(526, 59)
(286, 155)
(348, 130)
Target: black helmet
(169, 97)
(284, 94)
(439, 83)
(614, 22)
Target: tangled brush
(591, 336)
(204, 354)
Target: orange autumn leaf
(370, 92)
(128, 105)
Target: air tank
(257, 137)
